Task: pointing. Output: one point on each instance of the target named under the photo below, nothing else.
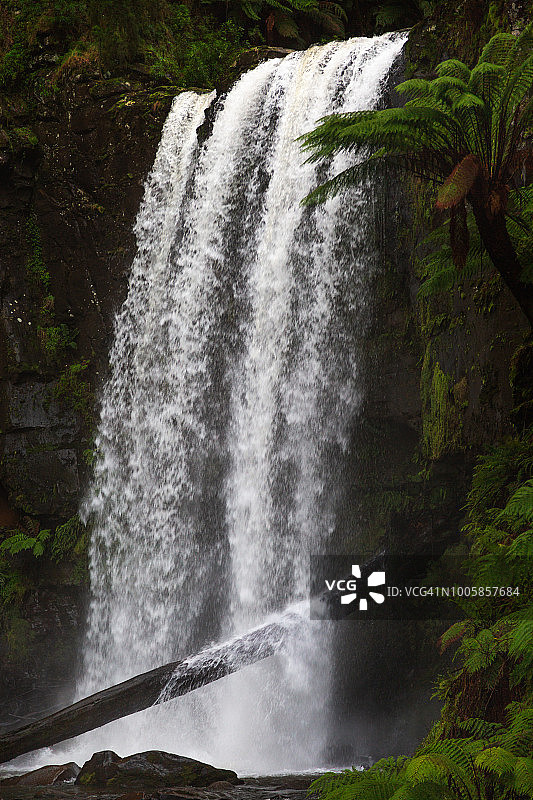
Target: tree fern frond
(523, 776)
(448, 88)
(521, 47)
(445, 759)
(496, 51)
(334, 9)
(380, 164)
(521, 641)
(251, 9)
(481, 729)
(453, 68)
(415, 87)
(517, 86)
(518, 737)
(285, 25)
(520, 504)
(480, 652)
(330, 16)
(522, 546)
(439, 281)
(496, 760)
(486, 79)
(453, 634)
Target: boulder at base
(45, 776)
(149, 770)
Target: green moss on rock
(441, 407)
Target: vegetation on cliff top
(186, 43)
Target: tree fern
(446, 769)
(466, 131)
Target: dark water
(277, 787)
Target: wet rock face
(45, 776)
(72, 174)
(38, 678)
(149, 770)
(72, 170)
(39, 468)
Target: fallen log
(169, 681)
(156, 686)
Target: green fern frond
(453, 68)
(454, 634)
(20, 542)
(479, 652)
(518, 737)
(521, 641)
(481, 729)
(251, 9)
(496, 51)
(521, 503)
(523, 776)
(486, 80)
(331, 17)
(496, 760)
(415, 87)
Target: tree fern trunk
(495, 237)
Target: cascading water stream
(225, 420)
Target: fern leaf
(415, 87)
(486, 80)
(251, 9)
(433, 767)
(523, 776)
(480, 652)
(453, 68)
(481, 729)
(521, 641)
(496, 51)
(286, 26)
(496, 760)
(521, 547)
(18, 543)
(521, 503)
(453, 634)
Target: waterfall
(234, 380)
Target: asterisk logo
(374, 579)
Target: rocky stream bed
(153, 775)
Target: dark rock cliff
(72, 168)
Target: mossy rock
(149, 770)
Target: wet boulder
(45, 776)
(151, 770)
